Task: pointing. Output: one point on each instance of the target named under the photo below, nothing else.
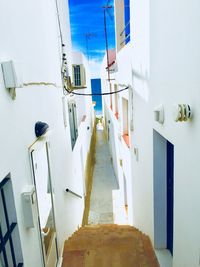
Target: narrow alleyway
(104, 182)
(103, 242)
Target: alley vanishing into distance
(100, 126)
(104, 182)
(107, 240)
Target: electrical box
(159, 114)
(9, 75)
(29, 206)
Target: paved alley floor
(104, 183)
(106, 201)
(107, 241)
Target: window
(79, 75)
(122, 15)
(73, 122)
(10, 247)
(127, 20)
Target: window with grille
(127, 20)
(122, 15)
(10, 246)
(79, 75)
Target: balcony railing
(125, 34)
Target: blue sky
(86, 16)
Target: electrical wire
(62, 73)
(59, 23)
(95, 94)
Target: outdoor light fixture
(182, 112)
(41, 128)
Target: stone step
(109, 246)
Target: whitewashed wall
(166, 57)
(164, 69)
(118, 148)
(85, 116)
(83, 102)
(30, 37)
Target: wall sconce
(182, 112)
(41, 128)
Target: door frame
(160, 186)
(37, 145)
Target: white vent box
(9, 75)
(29, 206)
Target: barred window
(10, 246)
(77, 75)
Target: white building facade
(36, 212)
(159, 62)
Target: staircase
(108, 246)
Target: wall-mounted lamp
(41, 128)
(182, 112)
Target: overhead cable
(97, 94)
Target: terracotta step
(109, 246)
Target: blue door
(170, 195)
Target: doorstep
(164, 257)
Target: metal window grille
(125, 34)
(77, 75)
(127, 20)
(10, 247)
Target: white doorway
(40, 163)
(163, 157)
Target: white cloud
(97, 51)
(95, 66)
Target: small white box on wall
(29, 206)
(9, 74)
(11, 80)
